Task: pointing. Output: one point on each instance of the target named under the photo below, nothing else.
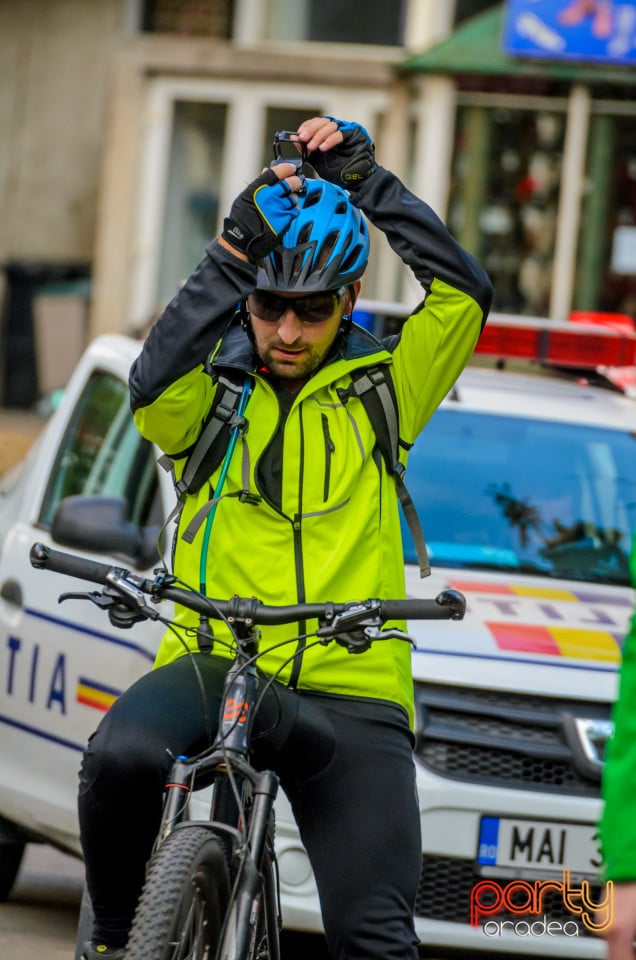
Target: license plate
(538, 844)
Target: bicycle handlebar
(447, 605)
(45, 558)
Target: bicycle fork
(250, 912)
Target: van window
(103, 454)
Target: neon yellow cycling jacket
(321, 520)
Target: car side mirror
(99, 525)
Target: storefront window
(464, 9)
(606, 275)
(504, 199)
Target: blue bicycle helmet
(326, 246)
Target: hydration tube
(245, 395)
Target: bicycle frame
(226, 763)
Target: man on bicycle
(305, 511)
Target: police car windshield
(504, 493)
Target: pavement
(40, 919)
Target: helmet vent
(297, 267)
(278, 260)
(349, 261)
(312, 198)
(341, 208)
(327, 249)
(305, 234)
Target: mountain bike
(211, 888)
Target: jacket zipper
(262, 492)
(298, 557)
(330, 449)
(298, 552)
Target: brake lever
(391, 634)
(358, 627)
(95, 596)
(359, 640)
(119, 614)
(126, 604)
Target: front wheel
(184, 900)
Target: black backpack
(226, 422)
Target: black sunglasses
(314, 309)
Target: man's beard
(301, 369)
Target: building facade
(132, 124)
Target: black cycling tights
(346, 766)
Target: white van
(526, 488)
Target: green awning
(476, 48)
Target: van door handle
(11, 591)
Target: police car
(526, 489)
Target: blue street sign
(601, 30)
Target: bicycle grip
(45, 558)
(447, 605)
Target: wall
(74, 95)
(55, 58)
(54, 66)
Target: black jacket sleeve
(192, 324)
(420, 238)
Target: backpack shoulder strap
(374, 387)
(223, 425)
(209, 449)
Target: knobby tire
(184, 901)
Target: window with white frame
(204, 141)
